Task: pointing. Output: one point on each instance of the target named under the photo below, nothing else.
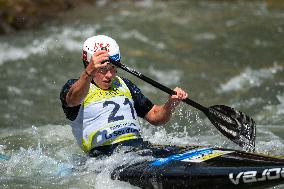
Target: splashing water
(250, 78)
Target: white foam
(249, 78)
(210, 137)
(59, 138)
(189, 130)
(277, 109)
(232, 22)
(205, 36)
(68, 37)
(39, 161)
(280, 107)
(272, 113)
(269, 143)
(14, 90)
(166, 77)
(100, 169)
(2, 148)
(145, 3)
(33, 162)
(254, 101)
(142, 38)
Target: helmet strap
(85, 63)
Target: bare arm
(161, 114)
(80, 88)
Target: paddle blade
(234, 124)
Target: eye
(102, 70)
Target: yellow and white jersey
(106, 117)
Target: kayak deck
(202, 167)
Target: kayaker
(103, 107)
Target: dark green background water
(220, 52)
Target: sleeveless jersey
(106, 117)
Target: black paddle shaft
(160, 86)
(231, 123)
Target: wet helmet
(97, 43)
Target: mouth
(107, 81)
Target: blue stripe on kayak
(3, 157)
(188, 154)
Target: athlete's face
(104, 76)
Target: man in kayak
(103, 107)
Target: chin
(105, 87)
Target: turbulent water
(220, 52)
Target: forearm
(79, 90)
(161, 114)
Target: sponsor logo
(115, 131)
(121, 131)
(187, 155)
(99, 46)
(255, 176)
(206, 156)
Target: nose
(110, 74)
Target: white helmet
(96, 43)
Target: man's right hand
(99, 60)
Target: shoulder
(69, 83)
(65, 89)
(132, 87)
(70, 112)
